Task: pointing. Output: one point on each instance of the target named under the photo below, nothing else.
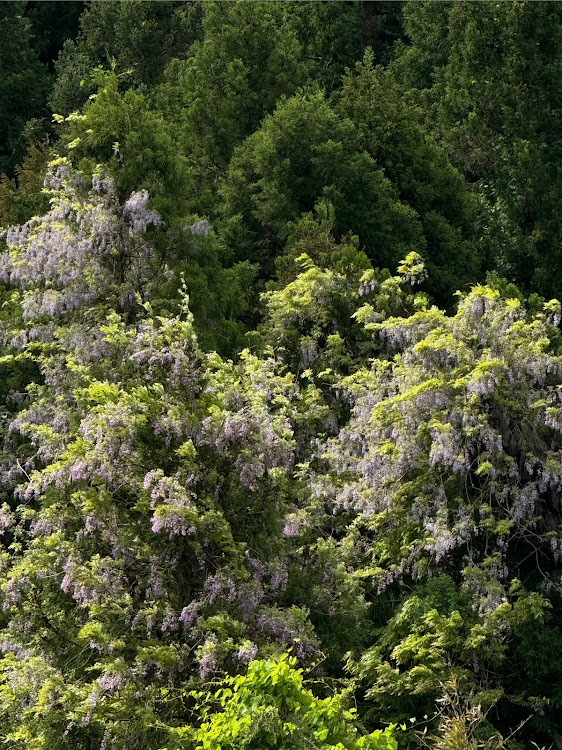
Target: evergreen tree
(303, 154)
(52, 24)
(488, 74)
(249, 56)
(131, 37)
(393, 132)
(23, 84)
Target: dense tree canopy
(22, 70)
(280, 376)
(488, 76)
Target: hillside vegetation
(281, 375)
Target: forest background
(281, 375)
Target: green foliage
(137, 147)
(249, 56)
(303, 153)
(372, 482)
(393, 132)
(335, 35)
(52, 25)
(149, 541)
(308, 321)
(444, 476)
(134, 38)
(131, 140)
(487, 75)
(271, 707)
(22, 71)
(22, 197)
(419, 63)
